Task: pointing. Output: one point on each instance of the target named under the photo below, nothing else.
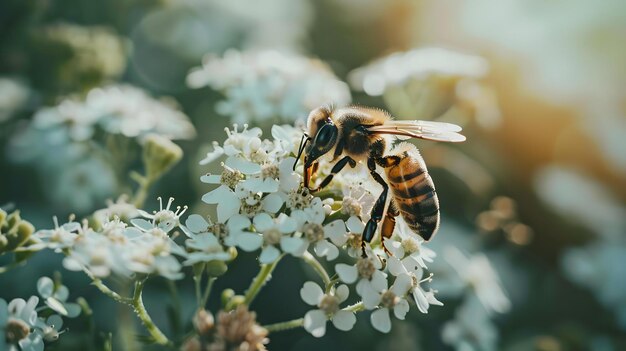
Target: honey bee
(365, 135)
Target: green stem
(197, 280)
(357, 307)
(259, 281)
(317, 267)
(276, 327)
(106, 290)
(207, 291)
(143, 315)
(142, 192)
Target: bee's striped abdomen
(414, 192)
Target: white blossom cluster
(426, 83)
(79, 132)
(21, 326)
(268, 85)
(420, 64)
(145, 246)
(262, 206)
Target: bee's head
(322, 137)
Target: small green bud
(236, 301)
(233, 253)
(227, 294)
(159, 155)
(23, 231)
(216, 268)
(12, 220)
(198, 269)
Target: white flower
(265, 85)
(471, 329)
(409, 245)
(272, 234)
(328, 304)
(206, 247)
(366, 271)
(127, 110)
(164, 218)
(388, 299)
(316, 234)
(121, 208)
(56, 296)
(478, 274)
(20, 317)
(57, 239)
(420, 64)
(409, 266)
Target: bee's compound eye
(325, 135)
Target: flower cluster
(263, 207)
(427, 82)
(268, 85)
(114, 246)
(23, 325)
(91, 139)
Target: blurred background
(535, 199)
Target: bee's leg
(389, 223)
(336, 169)
(379, 207)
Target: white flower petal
(266, 185)
(196, 223)
(335, 228)
(380, 320)
(315, 323)
(211, 179)
(401, 285)
(217, 195)
(344, 320)
(324, 248)
(228, 208)
(242, 165)
(269, 254)
(238, 222)
(311, 293)
(342, 293)
(272, 203)
(293, 246)
(249, 241)
(420, 299)
(401, 308)
(371, 297)
(287, 224)
(355, 225)
(346, 273)
(395, 266)
(263, 222)
(379, 281)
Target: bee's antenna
(303, 141)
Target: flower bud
(216, 268)
(14, 232)
(204, 322)
(159, 155)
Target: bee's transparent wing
(429, 130)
